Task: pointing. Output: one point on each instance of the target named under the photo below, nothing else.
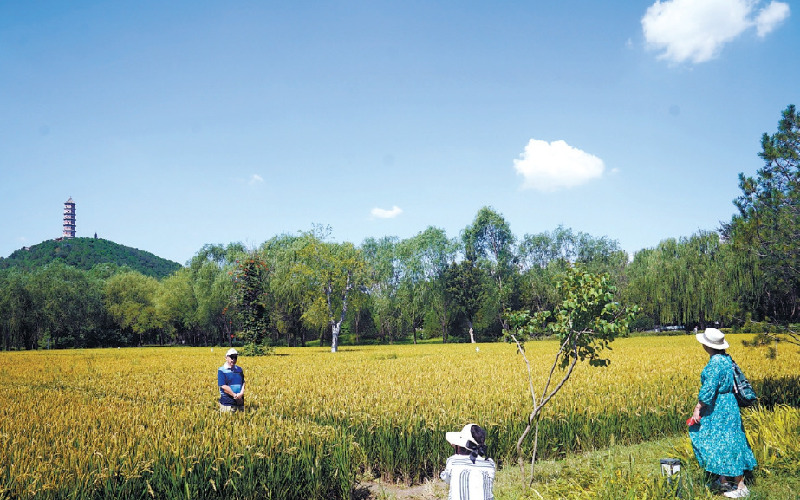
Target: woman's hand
(696, 412)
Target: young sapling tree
(585, 322)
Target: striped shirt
(469, 481)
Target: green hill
(84, 253)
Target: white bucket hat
(713, 338)
(460, 438)
(232, 352)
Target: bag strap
(734, 366)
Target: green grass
(615, 473)
(633, 472)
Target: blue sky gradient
(176, 124)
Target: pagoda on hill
(69, 219)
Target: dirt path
(375, 490)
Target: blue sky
(176, 124)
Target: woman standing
(717, 435)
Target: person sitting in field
(469, 472)
(230, 379)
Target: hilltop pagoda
(69, 219)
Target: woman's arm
(446, 473)
(710, 380)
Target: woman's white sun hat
(713, 338)
(460, 438)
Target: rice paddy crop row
(143, 422)
(70, 445)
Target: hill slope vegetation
(84, 253)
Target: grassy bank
(633, 472)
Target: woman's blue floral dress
(719, 442)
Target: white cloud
(552, 166)
(696, 30)
(382, 213)
(255, 179)
(770, 17)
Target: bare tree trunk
(538, 405)
(336, 326)
(335, 336)
(535, 447)
(471, 335)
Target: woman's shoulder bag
(745, 395)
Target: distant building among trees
(69, 219)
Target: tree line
(305, 288)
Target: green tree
(383, 284)
(690, 281)
(286, 293)
(329, 274)
(586, 321)
(130, 300)
(542, 258)
(211, 273)
(67, 304)
(563, 246)
(489, 242)
(466, 291)
(768, 220)
(17, 320)
(251, 297)
(425, 259)
(176, 305)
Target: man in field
(230, 379)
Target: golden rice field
(143, 423)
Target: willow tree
(211, 270)
(383, 282)
(329, 273)
(287, 295)
(696, 280)
(703, 288)
(130, 300)
(543, 256)
(424, 260)
(176, 306)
